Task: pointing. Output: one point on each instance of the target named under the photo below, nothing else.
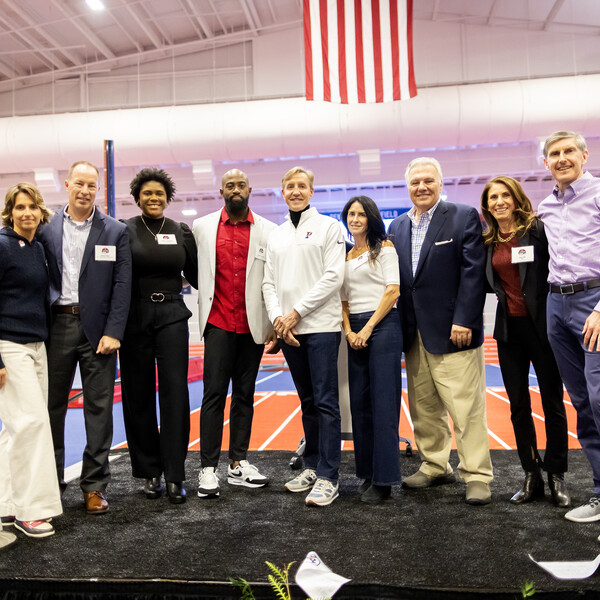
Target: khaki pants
(449, 384)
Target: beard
(237, 205)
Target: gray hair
(564, 135)
(423, 160)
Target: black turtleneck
(295, 216)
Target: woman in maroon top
(517, 271)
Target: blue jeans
(313, 366)
(579, 368)
(375, 379)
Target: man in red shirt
(232, 246)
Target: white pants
(28, 483)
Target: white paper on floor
(569, 569)
(316, 579)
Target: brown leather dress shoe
(95, 503)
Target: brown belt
(572, 288)
(68, 309)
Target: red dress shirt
(228, 309)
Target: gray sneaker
(324, 492)
(586, 513)
(302, 482)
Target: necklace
(510, 237)
(155, 235)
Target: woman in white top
(372, 329)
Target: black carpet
(419, 544)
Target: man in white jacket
(303, 275)
(235, 326)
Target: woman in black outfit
(157, 333)
(517, 271)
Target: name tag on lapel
(106, 253)
(166, 239)
(522, 254)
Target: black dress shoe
(376, 494)
(533, 487)
(558, 489)
(153, 488)
(176, 492)
(364, 486)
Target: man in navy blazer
(89, 263)
(442, 293)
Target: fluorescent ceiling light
(189, 212)
(95, 4)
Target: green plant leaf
(527, 589)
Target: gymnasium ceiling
(52, 53)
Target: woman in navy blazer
(517, 272)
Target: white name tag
(166, 239)
(261, 253)
(522, 254)
(107, 253)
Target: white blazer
(205, 234)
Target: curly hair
(523, 214)
(33, 193)
(152, 174)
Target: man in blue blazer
(442, 293)
(89, 263)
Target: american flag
(358, 51)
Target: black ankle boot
(558, 489)
(533, 487)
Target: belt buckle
(566, 289)
(157, 297)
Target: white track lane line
(280, 428)
(407, 414)
(573, 435)
(501, 442)
(226, 422)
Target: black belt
(573, 288)
(160, 297)
(66, 309)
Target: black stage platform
(421, 545)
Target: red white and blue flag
(358, 51)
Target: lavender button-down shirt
(572, 223)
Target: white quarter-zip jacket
(305, 270)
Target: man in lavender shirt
(571, 215)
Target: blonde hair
(33, 193)
(294, 171)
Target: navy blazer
(104, 286)
(449, 283)
(534, 283)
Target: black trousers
(234, 357)
(68, 346)
(515, 356)
(156, 338)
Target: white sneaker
(38, 529)
(324, 492)
(247, 475)
(208, 483)
(302, 482)
(586, 513)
